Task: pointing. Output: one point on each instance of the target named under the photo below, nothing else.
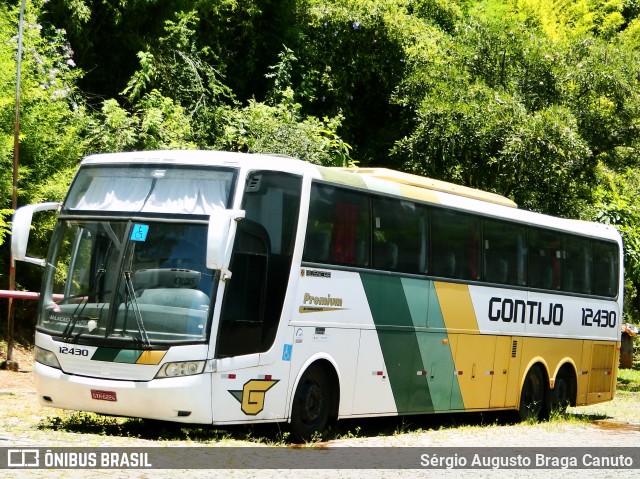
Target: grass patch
(629, 379)
(263, 434)
(91, 423)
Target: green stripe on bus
(114, 355)
(395, 326)
(435, 347)
(105, 354)
(414, 343)
(127, 356)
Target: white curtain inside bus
(168, 195)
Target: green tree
(281, 128)
(351, 57)
(615, 203)
(156, 123)
(601, 87)
(51, 121)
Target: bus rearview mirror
(222, 228)
(21, 227)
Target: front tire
(533, 395)
(311, 404)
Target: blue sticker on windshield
(139, 232)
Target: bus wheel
(533, 394)
(310, 409)
(563, 392)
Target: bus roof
(376, 179)
(431, 184)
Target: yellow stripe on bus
(456, 306)
(151, 357)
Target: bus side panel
(486, 365)
(338, 346)
(602, 373)
(583, 373)
(474, 369)
(240, 393)
(439, 371)
(331, 319)
(505, 367)
(508, 356)
(474, 354)
(372, 389)
(418, 359)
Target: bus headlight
(186, 368)
(46, 357)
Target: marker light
(46, 357)
(186, 368)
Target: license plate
(103, 395)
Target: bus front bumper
(185, 399)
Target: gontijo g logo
(252, 395)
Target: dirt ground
(23, 378)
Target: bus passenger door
(255, 298)
(242, 314)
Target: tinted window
(605, 268)
(545, 252)
(339, 228)
(399, 235)
(505, 253)
(578, 263)
(455, 248)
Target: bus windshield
(134, 281)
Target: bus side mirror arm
(220, 237)
(21, 227)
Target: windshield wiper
(68, 330)
(131, 294)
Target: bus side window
(423, 235)
(605, 265)
(577, 265)
(350, 240)
(344, 245)
(545, 259)
(316, 247)
(444, 264)
(396, 235)
(503, 250)
(338, 227)
(455, 245)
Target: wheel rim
(312, 403)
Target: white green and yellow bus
(227, 288)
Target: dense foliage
(537, 100)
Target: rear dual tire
(537, 401)
(532, 397)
